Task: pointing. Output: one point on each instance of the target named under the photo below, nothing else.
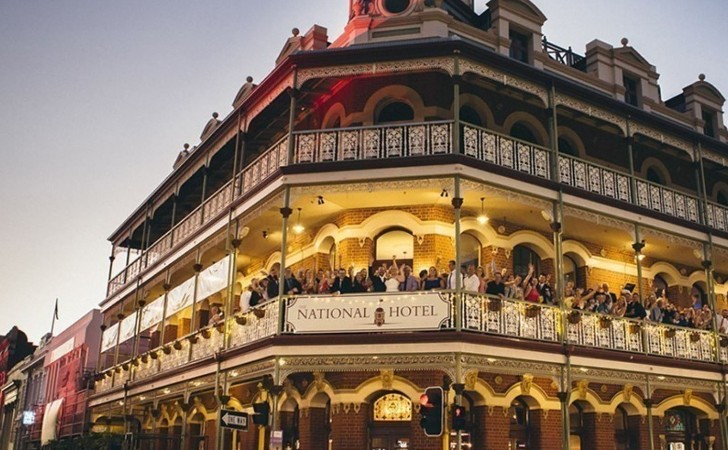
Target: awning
(50, 421)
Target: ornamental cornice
(358, 363)
(505, 79)
(652, 133)
(671, 238)
(591, 111)
(444, 63)
(509, 195)
(508, 366)
(264, 102)
(598, 219)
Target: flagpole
(55, 316)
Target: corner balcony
(418, 141)
(438, 315)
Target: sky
(98, 97)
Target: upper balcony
(431, 143)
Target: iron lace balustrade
(510, 317)
(495, 148)
(717, 216)
(257, 172)
(377, 142)
(603, 331)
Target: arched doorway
(685, 431)
(391, 422)
(394, 112)
(522, 257)
(470, 248)
(196, 431)
(395, 242)
(521, 131)
(520, 418)
(625, 437)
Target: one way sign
(234, 420)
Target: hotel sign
(415, 311)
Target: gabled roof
(629, 54)
(524, 7)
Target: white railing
(257, 324)
(510, 317)
(678, 342)
(595, 178)
(667, 201)
(265, 165)
(602, 331)
(380, 142)
(506, 151)
(717, 216)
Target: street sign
(276, 440)
(234, 420)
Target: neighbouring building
(428, 133)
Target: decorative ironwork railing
(597, 330)
(510, 317)
(595, 178)
(253, 175)
(429, 311)
(505, 151)
(717, 216)
(564, 56)
(380, 142)
(667, 201)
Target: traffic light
(262, 412)
(431, 404)
(459, 421)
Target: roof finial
(624, 41)
(701, 77)
(295, 32)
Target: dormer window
(631, 90)
(519, 46)
(709, 126)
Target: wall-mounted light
(482, 218)
(320, 200)
(444, 193)
(265, 234)
(298, 228)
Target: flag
(55, 310)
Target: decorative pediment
(244, 92)
(292, 45)
(631, 56)
(707, 90)
(210, 126)
(523, 8)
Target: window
(566, 148)
(523, 132)
(576, 422)
(519, 46)
(396, 6)
(631, 90)
(654, 176)
(519, 425)
(522, 257)
(709, 127)
(470, 249)
(471, 116)
(571, 271)
(396, 112)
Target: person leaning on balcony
(451, 277)
(273, 288)
(379, 277)
(544, 288)
(472, 281)
(410, 282)
(530, 287)
(292, 285)
(657, 311)
(496, 286)
(359, 284)
(722, 321)
(635, 310)
(342, 283)
(251, 297)
(216, 315)
(433, 280)
(620, 307)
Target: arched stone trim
(324, 234)
(535, 241)
(289, 402)
(667, 271)
(577, 251)
(720, 186)
(311, 398)
(535, 399)
(272, 260)
(319, 400)
(390, 94)
(531, 122)
(591, 401)
(696, 404)
(479, 106)
(336, 111)
(235, 404)
(484, 233)
(658, 165)
(633, 406)
(570, 135)
(373, 386)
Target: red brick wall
(491, 430)
(311, 426)
(349, 430)
(546, 431)
(598, 432)
(418, 440)
(435, 250)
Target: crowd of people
(530, 287)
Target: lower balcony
(513, 323)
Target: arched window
(519, 432)
(398, 242)
(395, 112)
(722, 198)
(576, 423)
(471, 116)
(571, 271)
(659, 285)
(654, 176)
(522, 257)
(700, 293)
(566, 148)
(683, 427)
(391, 421)
(625, 437)
(521, 131)
(470, 250)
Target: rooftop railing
(422, 140)
(422, 311)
